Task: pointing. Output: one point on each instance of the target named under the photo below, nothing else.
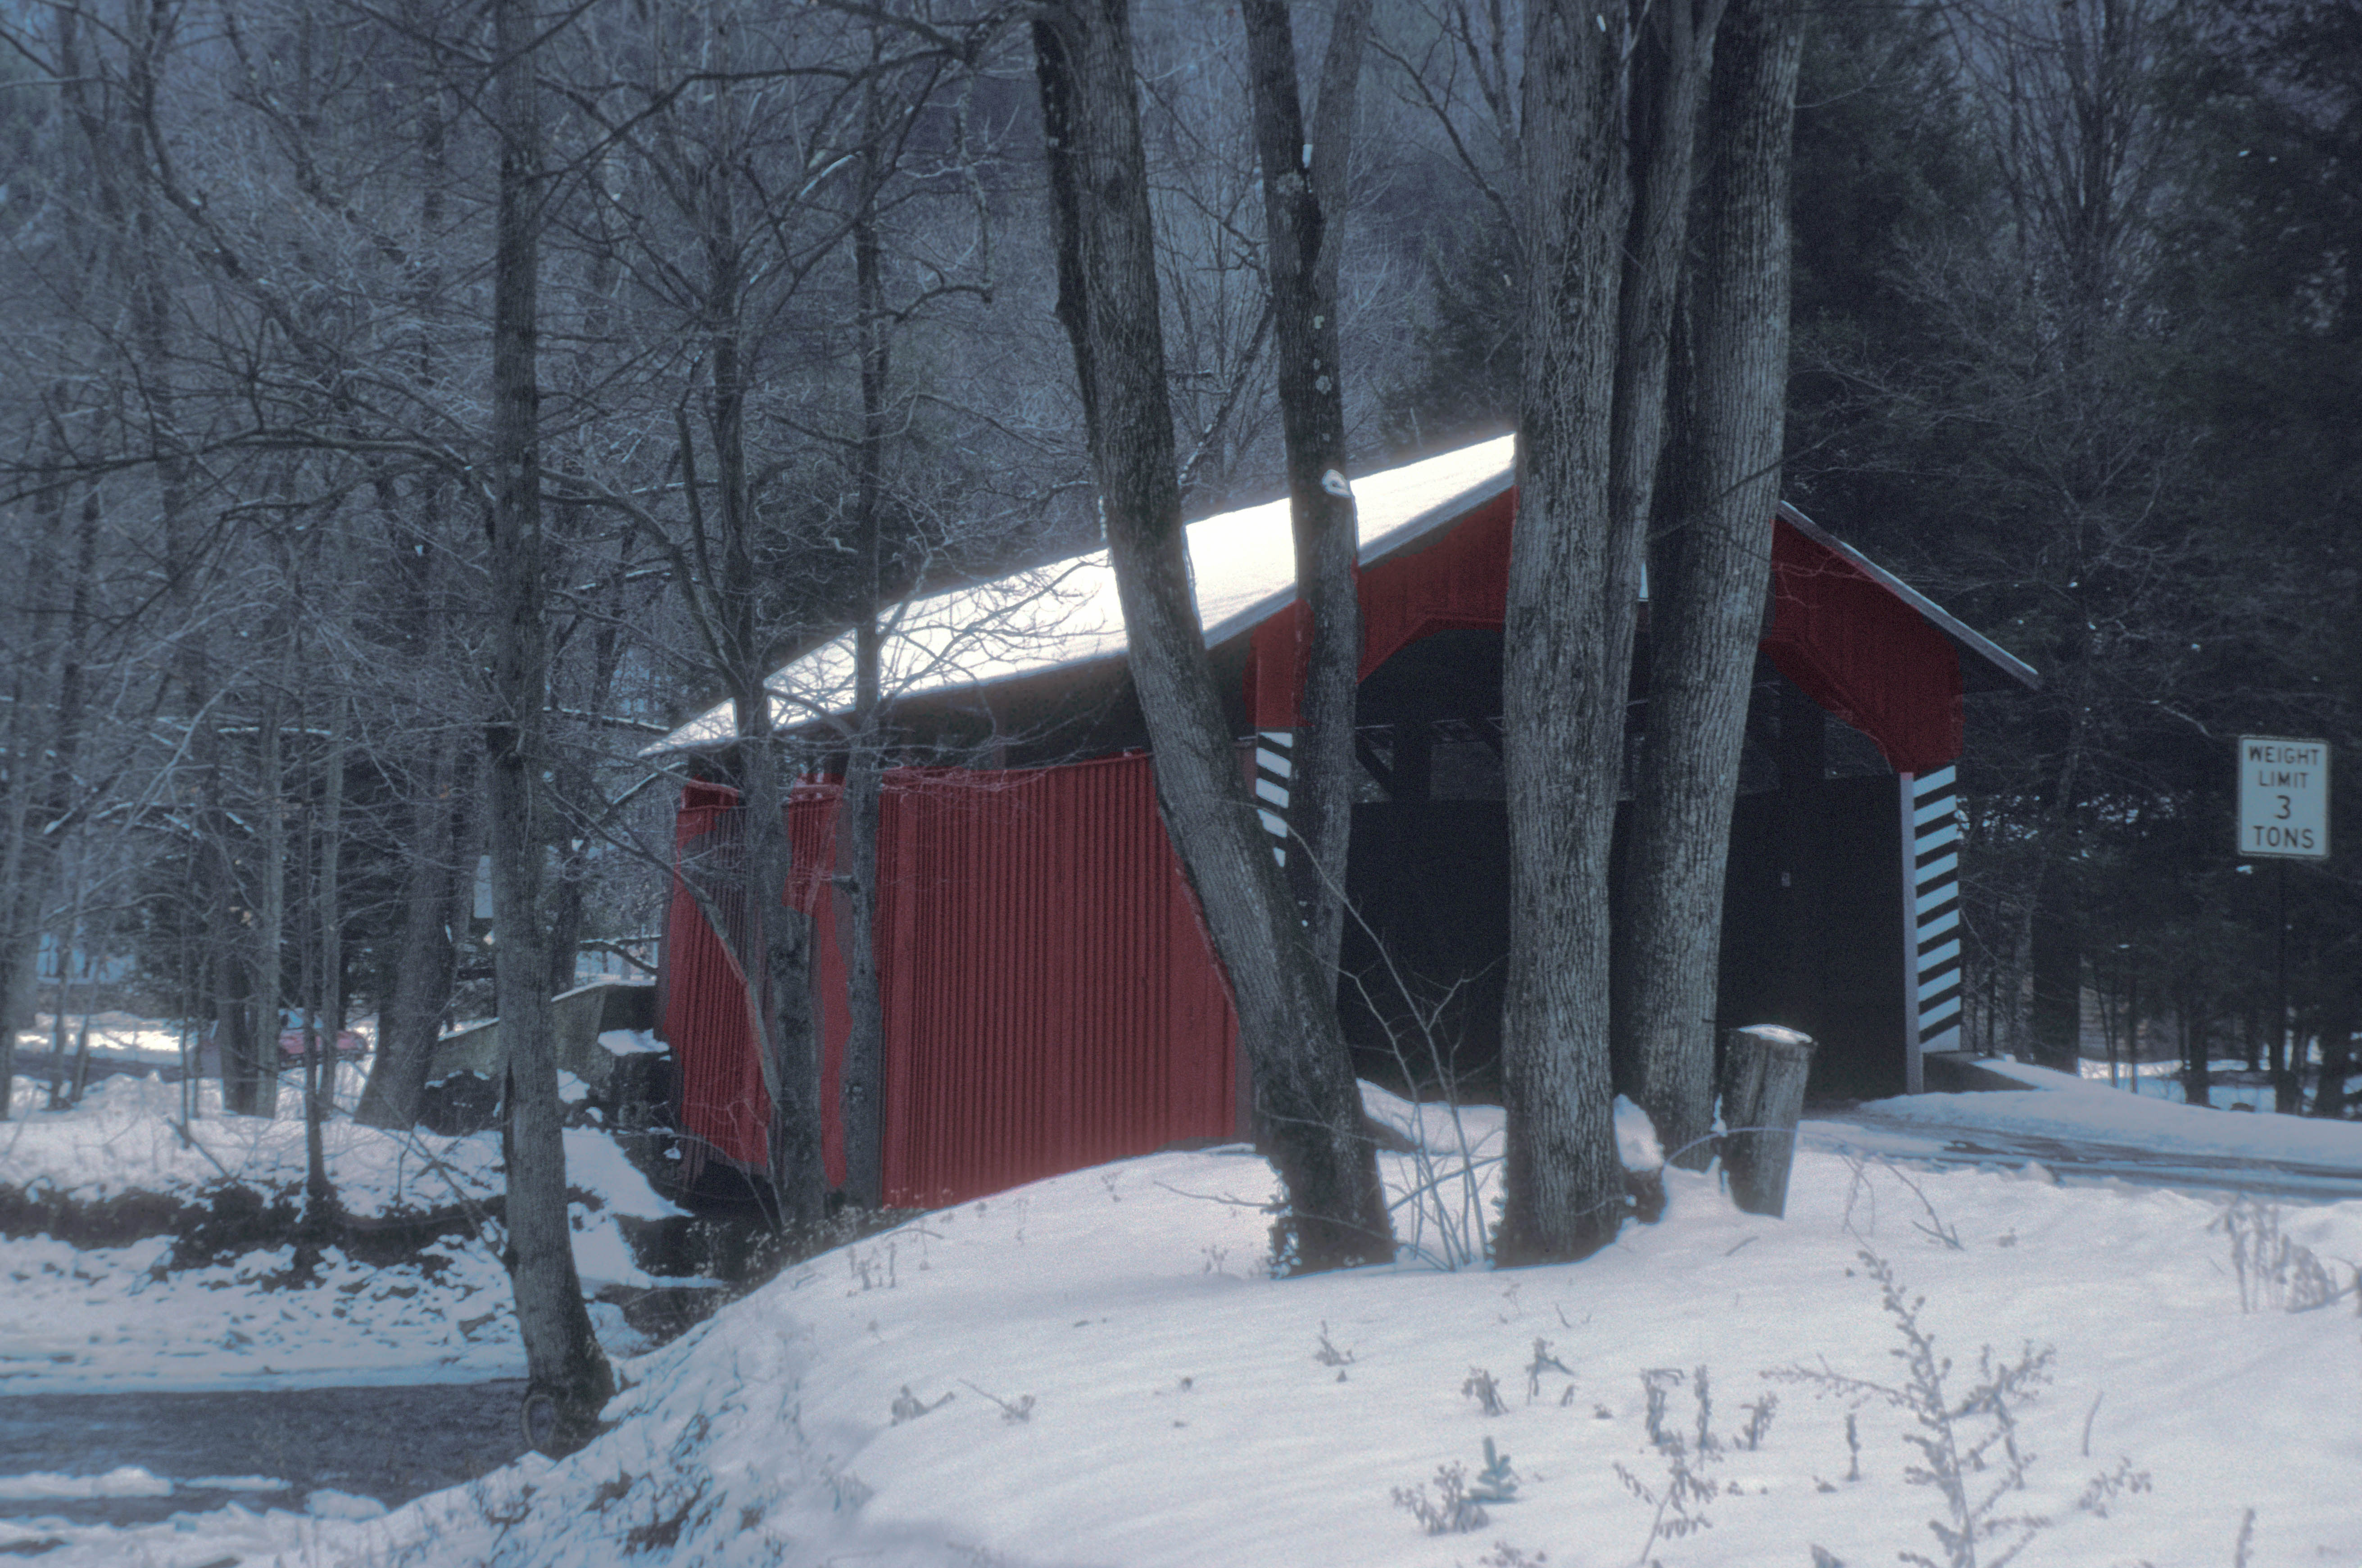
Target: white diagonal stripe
(1932, 898)
(1938, 1013)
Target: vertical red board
(1052, 1001)
(722, 1104)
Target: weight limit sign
(2283, 798)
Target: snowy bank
(430, 1307)
(1096, 1370)
(2062, 1106)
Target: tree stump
(1762, 1096)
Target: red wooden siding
(1851, 646)
(1863, 654)
(1051, 998)
(1052, 1001)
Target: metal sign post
(2283, 816)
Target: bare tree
(1303, 182)
(1606, 133)
(2045, 313)
(1708, 581)
(1108, 302)
(565, 1361)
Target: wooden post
(1762, 1097)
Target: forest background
(2075, 351)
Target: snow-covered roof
(1066, 613)
(1243, 564)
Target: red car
(291, 1044)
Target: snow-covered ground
(2087, 1130)
(112, 1319)
(121, 1036)
(1098, 1370)
(2162, 1080)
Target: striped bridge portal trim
(1932, 975)
(1274, 767)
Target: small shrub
(1758, 1422)
(1960, 1439)
(1545, 1361)
(1679, 1500)
(2273, 1271)
(908, 1407)
(1452, 1512)
(1504, 1555)
(2111, 1485)
(1329, 1355)
(1496, 1482)
(1482, 1388)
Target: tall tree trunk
(23, 867)
(28, 856)
(861, 1084)
(1308, 1105)
(437, 890)
(1707, 588)
(775, 939)
(65, 1086)
(2132, 1029)
(126, 200)
(2197, 1079)
(779, 940)
(1574, 575)
(2336, 1056)
(561, 1353)
(16, 935)
(1304, 186)
(2056, 969)
(325, 995)
(426, 950)
(316, 1186)
(437, 886)
(270, 928)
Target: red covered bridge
(1049, 1000)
